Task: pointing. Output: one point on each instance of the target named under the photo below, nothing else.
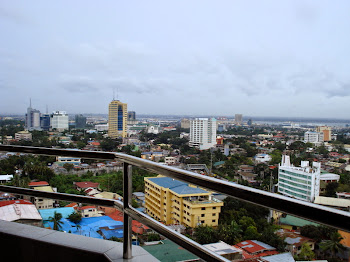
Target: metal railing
(324, 215)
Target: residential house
(84, 185)
(89, 211)
(20, 211)
(254, 249)
(295, 241)
(40, 202)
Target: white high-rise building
(203, 133)
(59, 120)
(313, 137)
(299, 182)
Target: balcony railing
(323, 215)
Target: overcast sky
(258, 58)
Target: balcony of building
(28, 243)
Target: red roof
(251, 246)
(39, 183)
(86, 207)
(11, 202)
(86, 184)
(137, 227)
(72, 205)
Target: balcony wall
(21, 242)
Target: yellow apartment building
(175, 202)
(117, 119)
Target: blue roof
(166, 182)
(90, 225)
(112, 233)
(185, 189)
(65, 211)
(177, 186)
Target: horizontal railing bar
(59, 196)
(174, 236)
(321, 214)
(59, 152)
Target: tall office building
(131, 115)
(80, 121)
(117, 119)
(175, 202)
(59, 120)
(327, 132)
(203, 133)
(299, 182)
(45, 121)
(238, 119)
(32, 118)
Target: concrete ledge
(28, 243)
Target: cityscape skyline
(276, 59)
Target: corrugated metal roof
(19, 211)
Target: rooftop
(47, 213)
(86, 184)
(296, 221)
(38, 183)
(17, 210)
(169, 251)
(177, 186)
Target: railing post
(127, 189)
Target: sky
(258, 58)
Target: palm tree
(56, 219)
(332, 245)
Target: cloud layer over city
(258, 58)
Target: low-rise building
(61, 160)
(20, 211)
(84, 185)
(40, 202)
(254, 249)
(5, 178)
(295, 241)
(227, 251)
(89, 211)
(262, 158)
(23, 135)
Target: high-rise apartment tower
(203, 133)
(117, 119)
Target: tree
(108, 144)
(311, 231)
(331, 189)
(230, 233)
(205, 235)
(56, 219)
(332, 245)
(68, 166)
(251, 233)
(75, 217)
(305, 253)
